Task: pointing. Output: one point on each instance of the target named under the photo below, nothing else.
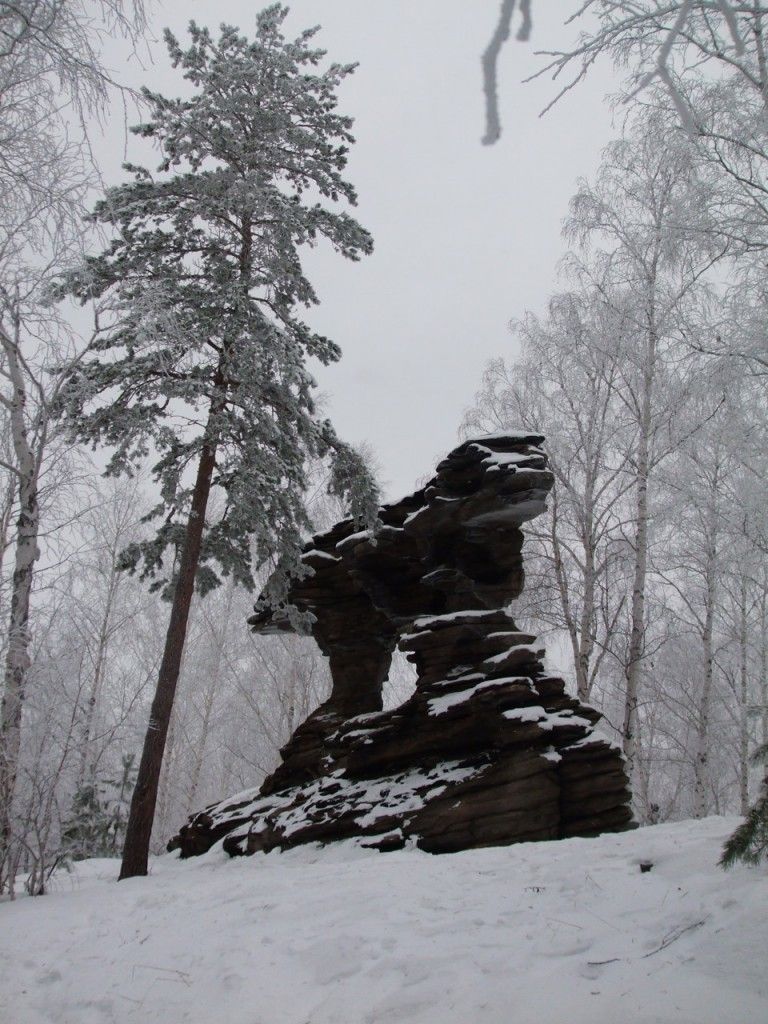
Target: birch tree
(709, 60)
(564, 386)
(51, 80)
(104, 603)
(699, 489)
(639, 251)
(36, 355)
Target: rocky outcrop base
(490, 749)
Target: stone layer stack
(489, 749)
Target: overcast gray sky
(466, 236)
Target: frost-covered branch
(645, 36)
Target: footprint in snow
(562, 945)
(48, 977)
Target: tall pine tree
(203, 361)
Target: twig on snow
(673, 937)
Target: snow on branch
(661, 70)
(624, 27)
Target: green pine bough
(749, 843)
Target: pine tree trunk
(141, 817)
(144, 800)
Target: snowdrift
(567, 932)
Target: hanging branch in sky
(621, 25)
(490, 62)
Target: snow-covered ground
(566, 932)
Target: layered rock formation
(489, 749)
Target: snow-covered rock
(489, 749)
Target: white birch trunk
(701, 749)
(637, 629)
(199, 756)
(562, 588)
(160, 824)
(209, 700)
(27, 552)
(6, 518)
(764, 658)
(587, 620)
(743, 700)
(86, 765)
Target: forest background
(643, 362)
